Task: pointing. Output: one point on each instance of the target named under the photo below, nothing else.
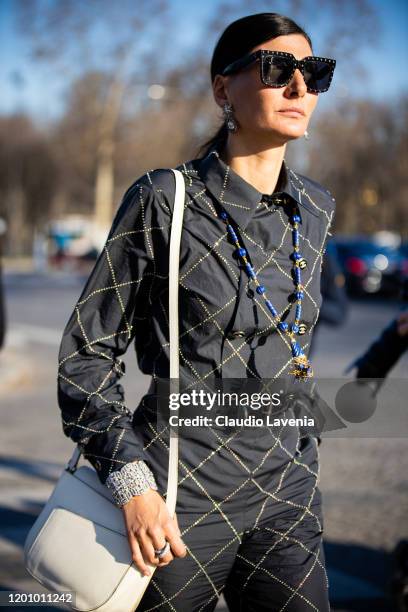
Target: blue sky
(31, 87)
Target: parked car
(75, 242)
(334, 308)
(370, 266)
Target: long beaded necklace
(302, 367)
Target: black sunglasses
(278, 67)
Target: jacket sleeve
(113, 304)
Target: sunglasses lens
(317, 75)
(276, 70)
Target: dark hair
(238, 39)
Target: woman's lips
(291, 113)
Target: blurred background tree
(365, 153)
(28, 180)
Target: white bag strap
(175, 237)
(174, 263)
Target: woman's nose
(297, 82)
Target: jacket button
(98, 465)
(237, 333)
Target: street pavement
(363, 480)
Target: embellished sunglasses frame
(263, 54)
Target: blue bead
(223, 215)
(297, 275)
(260, 289)
(296, 349)
(298, 311)
(241, 251)
(283, 326)
(232, 232)
(299, 295)
(296, 255)
(271, 307)
(295, 328)
(250, 270)
(296, 219)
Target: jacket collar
(237, 196)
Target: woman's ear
(220, 89)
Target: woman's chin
(280, 134)
(292, 133)
(288, 129)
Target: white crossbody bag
(79, 541)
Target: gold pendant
(303, 368)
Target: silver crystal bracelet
(132, 479)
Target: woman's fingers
(146, 546)
(165, 559)
(172, 534)
(158, 541)
(137, 554)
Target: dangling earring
(306, 135)
(229, 118)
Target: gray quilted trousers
(249, 511)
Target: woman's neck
(260, 168)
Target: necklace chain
(302, 367)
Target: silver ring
(161, 552)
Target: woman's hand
(149, 525)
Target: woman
(248, 517)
